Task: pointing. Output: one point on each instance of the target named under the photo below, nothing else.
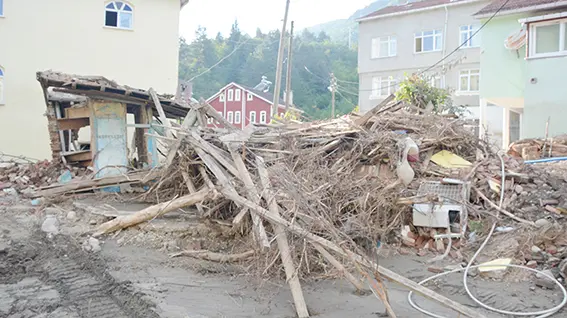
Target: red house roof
(514, 5)
(413, 6)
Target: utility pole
(333, 88)
(288, 76)
(280, 62)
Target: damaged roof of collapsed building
(58, 86)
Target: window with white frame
(237, 95)
(428, 41)
(382, 86)
(230, 95)
(237, 117)
(118, 14)
(221, 97)
(469, 80)
(437, 81)
(1, 83)
(253, 117)
(467, 36)
(386, 46)
(220, 114)
(548, 38)
(229, 117)
(1, 8)
(249, 97)
(263, 117)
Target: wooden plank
(296, 229)
(72, 123)
(161, 113)
(283, 245)
(84, 155)
(79, 112)
(362, 120)
(188, 122)
(254, 196)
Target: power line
(452, 52)
(220, 61)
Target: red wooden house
(242, 105)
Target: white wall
(69, 36)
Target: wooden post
(288, 76)
(278, 82)
(281, 239)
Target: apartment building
(412, 37)
(134, 42)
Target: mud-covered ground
(133, 276)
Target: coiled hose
(537, 314)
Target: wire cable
(455, 50)
(538, 314)
(220, 61)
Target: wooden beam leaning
(283, 245)
(253, 195)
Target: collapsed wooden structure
(300, 185)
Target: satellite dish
(516, 40)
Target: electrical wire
(220, 61)
(540, 314)
(452, 52)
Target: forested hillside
(245, 59)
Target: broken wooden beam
(151, 212)
(283, 245)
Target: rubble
(309, 196)
(50, 225)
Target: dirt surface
(133, 276)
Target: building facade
(523, 79)
(414, 37)
(241, 105)
(134, 42)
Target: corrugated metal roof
(516, 4)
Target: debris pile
(26, 177)
(328, 194)
(533, 149)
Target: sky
(218, 15)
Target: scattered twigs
(501, 210)
(216, 257)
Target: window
(263, 117)
(384, 47)
(428, 41)
(466, 36)
(252, 117)
(118, 14)
(237, 117)
(469, 80)
(220, 114)
(1, 82)
(229, 117)
(249, 97)
(221, 97)
(437, 81)
(230, 95)
(1, 8)
(382, 86)
(548, 38)
(237, 95)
